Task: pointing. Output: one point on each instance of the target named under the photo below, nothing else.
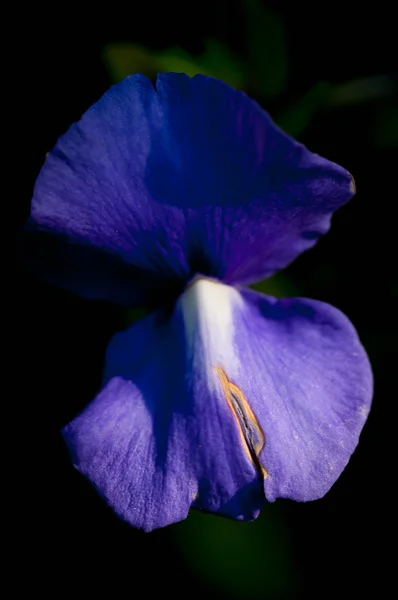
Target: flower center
(252, 435)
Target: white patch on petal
(207, 311)
(364, 411)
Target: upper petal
(190, 177)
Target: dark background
(64, 537)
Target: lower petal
(231, 398)
(160, 435)
(309, 381)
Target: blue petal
(192, 177)
(161, 435)
(308, 379)
(91, 272)
(231, 399)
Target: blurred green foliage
(244, 560)
(263, 72)
(266, 49)
(295, 119)
(279, 286)
(385, 128)
(122, 59)
(362, 90)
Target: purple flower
(221, 398)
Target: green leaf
(267, 51)
(132, 315)
(176, 60)
(278, 286)
(385, 128)
(219, 61)
(362, 90)
(296, 118)
(123, 59)
(243, 560)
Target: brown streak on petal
(247, 421)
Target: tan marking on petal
(353, 187)
(246, 420)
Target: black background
(63, 537)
